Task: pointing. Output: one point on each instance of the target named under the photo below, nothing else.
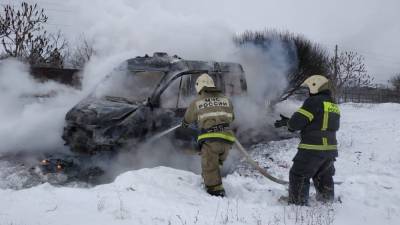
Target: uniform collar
(210, 90)
(323, 92)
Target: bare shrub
(82, 53)
(305, 58)
(23, 36)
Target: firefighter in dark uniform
(318, 120)
(213, 114)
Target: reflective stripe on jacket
(318, 119)
(226, 136)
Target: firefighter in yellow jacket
(213, 114)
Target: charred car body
(144, 95)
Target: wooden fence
(368, 95)
(65, 76)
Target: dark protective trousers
(306, 166)
(213, 154)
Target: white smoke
(266, 73)
(31, 113)
(124, 29)
(266, 70)
(142, 27)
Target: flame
(59, 167)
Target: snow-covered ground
(368, 165)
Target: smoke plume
(31, 113)
(125, 29)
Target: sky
(203, 29)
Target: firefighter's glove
(282, 122)
(184, 124)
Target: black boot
(323, 182)
(298, 190)
(325, 190)
(220, 193)
(217, 190)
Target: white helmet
(314, 83)
(204, 80)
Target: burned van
(143, 96)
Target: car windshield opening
(180, 92)
(131, 85)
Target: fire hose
(262, 170)
(241, 149)
(257, 167)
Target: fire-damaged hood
(101, 112)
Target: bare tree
(21, 24)
(23, 36)
(82, 53)
(350, 71)
(4, 24)
(395, 82)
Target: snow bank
(369, 163)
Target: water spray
(162, 134)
